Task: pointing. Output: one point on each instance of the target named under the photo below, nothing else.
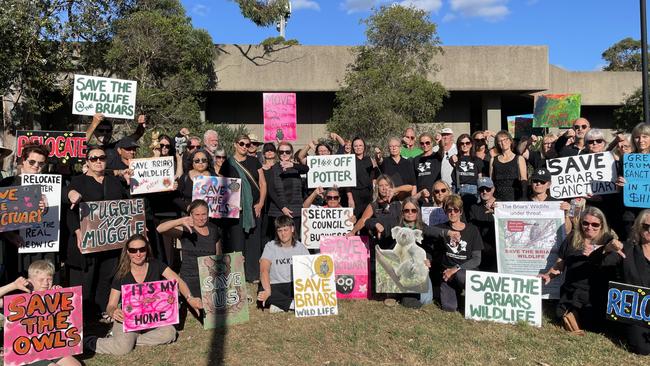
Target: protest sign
(522, 126)
(399, 275)
(280, 116)
(528, 238)
(556, 110)
(152, 175)
(324, 221)
(433, 215)
(314, 286)
(107, 225)
(582, 175)
(44, 237)
(115, 98)
(223, 195)
(42, 325)
(19, 207)
(149, 305)
(628, 304)
(67, 147)
(636, 170)
(351, 257)
(503, 298)
(331, 170)
(223, 290)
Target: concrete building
(486, 84)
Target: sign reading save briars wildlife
(314, 285)
(556, 110)
(331, 170)
(503, 298)
(324, 221)
(115, 98)
(280, 116)
(223, 195)
(149, 305)
(628, 304)
(63, 145)
(44, 237)
(19, 207)
(582, 175)
(107, 225)
(351, 257)
(636, 170)
(152, 175)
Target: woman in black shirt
(202, 165)
(361, 195)
(286, 196)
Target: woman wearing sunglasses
(286, 193)
(327, 198)
(508, 170)
(467, 168)
(202, 165)
(435, 199)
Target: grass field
(367, 332)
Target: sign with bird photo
(402, 269)
(314, 285)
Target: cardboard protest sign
(107, 225)
(67, 147)
(636, 170)
(223, 290)
(331, 170)
(582, 175)
(149, 305)
(42, 325)
(223, 195)
(44, 237)
(522, 126)
(314, 286)
(351, 257)
(556, 110)
(397, 272)
(280, 116)
(528, 238)
(152, 175)
(19, 207)
(628, 304)
(503, 298)
(324, 221)
(115, 98)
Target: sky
(575, 31)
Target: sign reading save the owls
(314, 286)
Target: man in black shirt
(580, 128)
(400, 170)
(481, 215)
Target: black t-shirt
(484, 221)
(365, 172)
(536, 160)
(427, 170)
(194, 246)
(401, 173)
(252, 165)
(154, 273)
(460, 252)
(467, 170)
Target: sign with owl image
(351, 257)
(314, 286)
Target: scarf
(248, 219)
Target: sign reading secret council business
(115, 98)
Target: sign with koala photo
(351, 261)
(402, 269)
(314, 286)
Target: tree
(630, 113)
(386, 89)
(625, 55)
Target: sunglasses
(38, 164)
(410, 210)
(200, 161)
(190, 147)
(484, 189)
(94, 159)
(596, 141)
(479, 140)
(166, 146)
(465, 143)
(332, 198)
(537, 181)
(136, 250)
(595, 225)
(410, 137)
(284, 152)
(580, 127)
(425, 143)
(443, 190)
(220, 157)
(244, 144)
(452, 210)
(645, 227)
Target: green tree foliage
(625, 55)
(263, 13)
(386, 89)
(630, 113)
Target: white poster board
(115, 98)
(152, 175)
(314, 285)
(320, 222)
(582, 175)
(44, 237)
(331, 170)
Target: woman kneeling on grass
(276, 287)
(137, 266)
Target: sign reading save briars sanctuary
(115, 98)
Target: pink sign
(280, 116)
(351, 257)
(149, 305)
(43, 325)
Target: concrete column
(491, 112)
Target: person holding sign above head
(540, 183)
(286, 193)
(572, 142)
(361, 195)
(137, 266)
(202, 166)
(102, 129)
(508, 170)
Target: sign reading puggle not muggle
(107, 225)
(582, 175)
(331, 170)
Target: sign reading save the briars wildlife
(351, 257)
(152, 175)
(280, 116)
(314, 286)
(44, 237)
(115, 98)
(582, 175)
(556, 110)
(107, 225)
(63, 145)
(636, 170)
(223, 195)
(223, 290)
(331, 170)
(149, 305)
(19, 207)
(503, 298)
(324, 221)
(42, 325)
(628, 304)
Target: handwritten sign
(314, 286)
(19, 207)
(331, 170)
(636, 170)
(149, 305)
(152, 175)
(628, 304)
(44, 237)
(107, 225)
(582, 175)
(556, 110)
(280, 116)
(115, 98)
(223, 290)
(64, 146)
(42, 325)
(223, 195)
(351, 257)
(318, 222)
(503, 298)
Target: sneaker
(274, 309)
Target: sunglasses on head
(332, 198)
(284, 152)
(200, 161)
(484, 189)
(410, 210)
(580, 127)
(596, 141)
(136, 250)
(94, 159)
(442, 190)
(452, 210)
(38, 164)
(595, 225)
(244, 144)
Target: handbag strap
(248, 174)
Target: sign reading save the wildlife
(556, 110)
(351, 257)
(223, 195)
(42, 325)
(324, 221)
(628, 304)
(64, 146)
(280, 116)
(636, 170)
(44, 237)
(503, 298)
(314, 285)
(331, 170)
(115, 98)
(582, 175)
(149, 305)
(152, 175)
(106, 225)
(19, 207)
(223, 290)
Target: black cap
(541, 174)
(127, 142)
